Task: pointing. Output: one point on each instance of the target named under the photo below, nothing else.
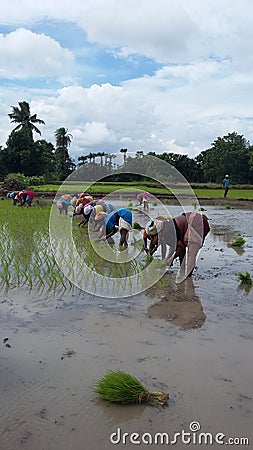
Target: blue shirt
(226, 182)
(111, 220)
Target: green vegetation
(245, 279)
(27, 257)
(107, 188)
(121, 387)
(238, 242)
(137, 226)
(25, 253)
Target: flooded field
(192, 340)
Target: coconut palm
(124, 151)
(63, 138)
(22, 116)
(63, 141)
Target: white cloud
(25, 54)
(204, 88)
(94, 133)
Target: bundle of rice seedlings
(137, 226)
(245, 278)
(238, 242)
(121, 387)
(149, 258)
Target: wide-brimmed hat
(159, 225)
(150, 228)
(101, 215)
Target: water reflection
(245, 288)
(222, 234)
(181, 306)
(117, 414)
(238, 250)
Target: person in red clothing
(184, 234)
(26, 197)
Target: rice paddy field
(192, 340)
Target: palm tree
(22, 116)
(101, 154)
(63, 141)
(124, 151)
(82, 159)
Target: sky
(163, 75)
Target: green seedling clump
(238, 242)
(245, 278)
(121, 387)
(137, 226)
(149, 258)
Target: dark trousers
(225, 191)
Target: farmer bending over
(184, 234)
(119, 220)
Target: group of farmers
(22, 198)
(179, 237)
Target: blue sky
(164, 76)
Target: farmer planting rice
(184, 234)
(119, 220)
(87, 211)
(24, 197)
(143, 198)
(14, 196)
(27, 197)
(63, 203)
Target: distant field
(235, 194)
(106, 188)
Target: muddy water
(192, 340)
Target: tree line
(231, 154)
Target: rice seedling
(30, 256)
(245, 279)
(149, 258)
(137, 226)
(123, 388)
(238, 242)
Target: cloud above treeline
(155, 76)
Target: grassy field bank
(235, 192)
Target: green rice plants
(228, 207)
(123, 388)
(157, 264)
(149, 258)
(238, 242)
(137, 226)
(245, 279)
